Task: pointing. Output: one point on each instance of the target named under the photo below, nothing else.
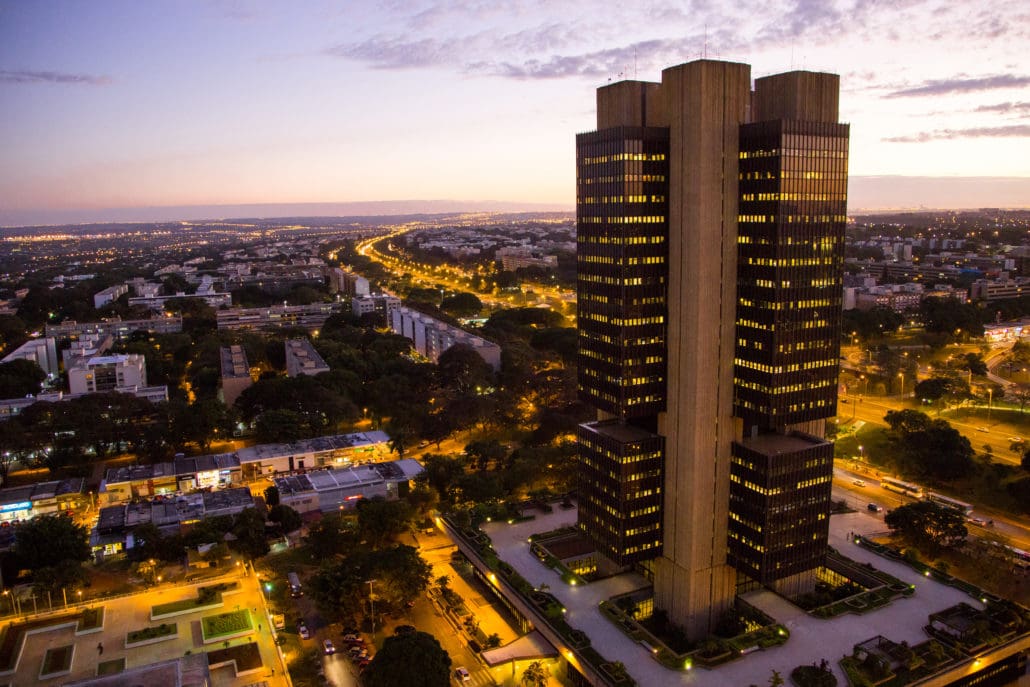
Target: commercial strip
(342, 488)
(113, 532)
(42, 498)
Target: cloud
(1006, 108)
(961, 85)
(1013, 131)
(25, 76)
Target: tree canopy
(20, 378)
(926, 523)
(928, 448)
(410, 660)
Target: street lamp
(372, 608)
(861, 453)
(901, 375)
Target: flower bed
(151, 635)
(226, 625)
(208, 598)
(91, 620)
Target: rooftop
(771, 444)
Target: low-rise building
(184, 474)
(107, 373)
(41, 498)
(157, 303)
(116, 327)
(311, 317)
(999, 289)
(109, 295)
(235, 373)
(41, 351)
(309, 454)
(381, 304)
(9, 407)
(113, 533)
(303, 359)
(342, 488)
(431, 337)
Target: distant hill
(172, 213)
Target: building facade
(710, 251)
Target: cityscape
(427, 344)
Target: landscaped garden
(91, 619)
(207, 597)
(226, 625)
(148, 634)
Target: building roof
(349, 478)
(771, 444)
(41, 490)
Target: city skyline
(167, 105)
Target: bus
(907, 488)
(295, 588)
(947, 502)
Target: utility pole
(372, 608)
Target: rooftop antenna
(706, 41)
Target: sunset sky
(143, 104)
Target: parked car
(463, 674)
(302, 630)
(327, 647)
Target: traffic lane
(339, 670)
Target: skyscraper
(710, 246)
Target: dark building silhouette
(710, 250)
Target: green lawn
(223, 624)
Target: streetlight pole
(372, 608)
(901, 375)
(990, 402)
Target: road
(845, 473)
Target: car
(983, 429)
(462, 674)
(874, 508)
(353, 637)
(858, 482)
(1015, 440)
(302, 630)
(327, 647)
(979, 522)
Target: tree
(974, 362)
(20, 378)
(48, 540)
(535, 675)
(380, 521)
(482, 453)
(341, 588)
(464, 370)
(412, 660)
(461, 304)
(249, 530)
(272, 496)
(929, 448)
(287, 518)
(926, 523)
(331, 535)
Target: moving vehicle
(858, 482)
(948, 502)
(296, 589)
(302, 630)
(327, 647)
(874, 508)
(897, 486)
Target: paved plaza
(811, 639)
(131, 613)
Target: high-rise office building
(710, 249)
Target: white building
(342, 488)
(432, 337)
(108, 373)
(378, 303)
(109, 295)
(42, 351)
